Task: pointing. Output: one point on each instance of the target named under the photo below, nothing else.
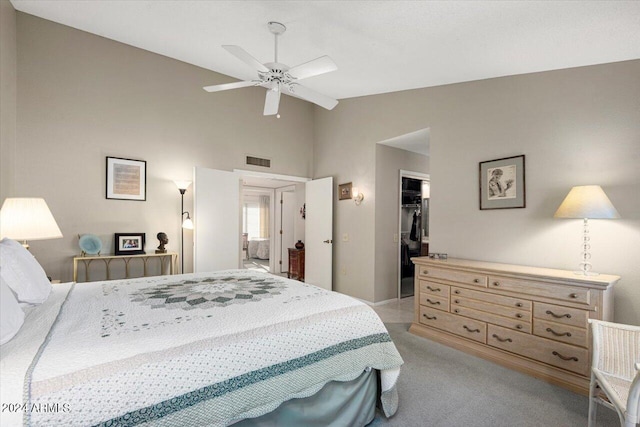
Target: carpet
(440, 386)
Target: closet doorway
(413, 225)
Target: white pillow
(22, 273)
(11, 315)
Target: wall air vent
(257, 161)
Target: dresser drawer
(433, 301)
(554, 353)
(560, 292)
(511, 312)
(467, 328)
(516, 324)
(559, 314)
(434, 288)
(474, 279)
(559, 332)
(521, 304)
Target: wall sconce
(358, 197)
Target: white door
(286, 227)
(216, 205)
(318, 231)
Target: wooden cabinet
(534, 320)
(296, 264)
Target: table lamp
(27, 219)
(586, 202)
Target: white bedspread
(188, 350)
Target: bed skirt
(348, 403)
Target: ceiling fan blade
(245, 57)
(315, 67)
(272, 101)
(227, 86)
(307, 94)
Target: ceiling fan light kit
(278, 78)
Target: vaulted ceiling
(379, 46)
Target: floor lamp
(187, 223)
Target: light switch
(395, 238)
(345, 237)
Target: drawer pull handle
(496, 283)
(433, 302)
(558, 334)
(518, 304)
(558, 316)
(555, 353)
(502, 339)
(476, 280)
(573, 296)
(470, 330)
(518, 326)
(430, 318)
(457, 292)
(457, 301)
(425, 271)
(433, 289)
(456, 311)
(519, 316)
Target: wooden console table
(170, 257)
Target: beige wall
(575, 126)
(8, 85)
(82, 97)
(389, 162)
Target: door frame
(278, 225)
(405, 174)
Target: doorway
(413, 227)
(218, 231)
(257, 228)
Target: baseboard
(376, 304)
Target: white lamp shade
(587, 201)
(188, 224)
(182, 185)
(27, 219)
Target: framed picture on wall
(129, 243)
(344, 191)
(126, 179)
(502, 183)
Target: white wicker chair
(615, 371)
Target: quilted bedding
(193, 349)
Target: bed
(259, 248)
(215, 349)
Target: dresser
(534, 320)
(296, 264)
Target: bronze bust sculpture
(162, 237)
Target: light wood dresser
(530, 319)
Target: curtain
(264, 217)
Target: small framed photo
(344, 191)
(129, 243)
(502, 183)
(126, 179)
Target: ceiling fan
(278, 78)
